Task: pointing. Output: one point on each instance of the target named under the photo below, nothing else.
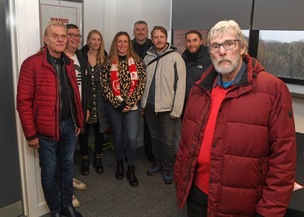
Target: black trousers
(197, 202)
(147, 141)
(84, 139)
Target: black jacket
(141, 50)
(196, 64)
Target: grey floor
(107, 197)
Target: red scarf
(115, 83)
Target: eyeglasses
(228, 45)
(72, 35)
(57, 37)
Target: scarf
(114, 76)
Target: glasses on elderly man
(74, 35)
(228, 45)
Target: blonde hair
(100, 57)
(227, 27)
(49, 26)
(113, 55)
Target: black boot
(70, 212)
(85, 165)
(98, 164)
(131, 176)
(119, 170)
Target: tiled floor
(107, 197)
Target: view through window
(282, 53)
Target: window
(282, 53)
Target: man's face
(227, 62)
(193, 42)
(140, 32)
(73, 40)
(56, 40)
(159, 40)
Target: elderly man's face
(227, 62)
(56, 40)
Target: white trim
(25, 39)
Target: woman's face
(94, 41)
(122, 45)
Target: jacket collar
(193, 57)
(253, 68)
(64, 57)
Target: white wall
(298, 109)
(112, 16)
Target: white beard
(227, 68)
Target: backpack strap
(158, 57)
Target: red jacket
(253, 156)
(38, 97)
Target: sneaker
(78, 184)
(167, 176)
(75, 202)
(154, 169)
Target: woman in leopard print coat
(123, 81)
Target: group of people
(236, 155)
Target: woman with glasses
(95, 56)
(123, 81)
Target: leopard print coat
(125, 81)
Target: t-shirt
(78, 73)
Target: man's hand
(33, 143)
(88, 115)
(173, 117)
(78, 130)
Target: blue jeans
(162, 130)
(123, 125)
(56, 163)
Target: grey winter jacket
(170, 81)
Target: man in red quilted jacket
(237, 151)
(49, 107)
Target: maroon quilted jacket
(38, 98)
(252, 165)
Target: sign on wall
(65, 11)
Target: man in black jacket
(196, 57)
(141, 43)
(73, 42)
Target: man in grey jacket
(163, 100)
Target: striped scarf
(114, 76)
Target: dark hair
(194, 32)
(140, 22)
(71, 26)
(160, 28)
(113, 55)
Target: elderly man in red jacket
(49, 107)
(238, 149)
